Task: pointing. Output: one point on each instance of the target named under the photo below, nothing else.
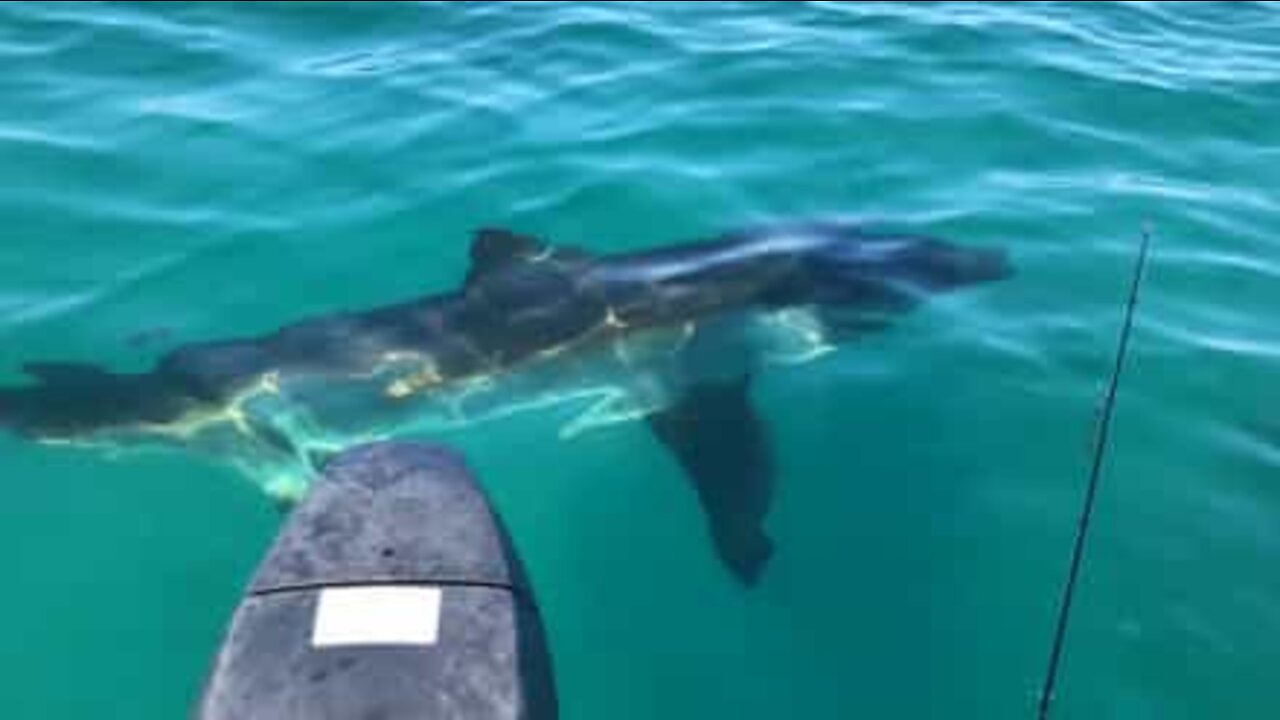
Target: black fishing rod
(1101, 436)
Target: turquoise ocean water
(179, 172)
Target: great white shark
(670, 335)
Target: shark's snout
(945, 266)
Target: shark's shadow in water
(687, 318)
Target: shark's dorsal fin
(495, 248)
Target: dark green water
(184, 172)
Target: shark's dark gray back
(522, 298)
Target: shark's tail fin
(14, 416)
(72, 397)
(7, 412)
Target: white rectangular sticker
(377, 615)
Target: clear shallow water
(220, 169)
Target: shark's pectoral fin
(724, 449)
